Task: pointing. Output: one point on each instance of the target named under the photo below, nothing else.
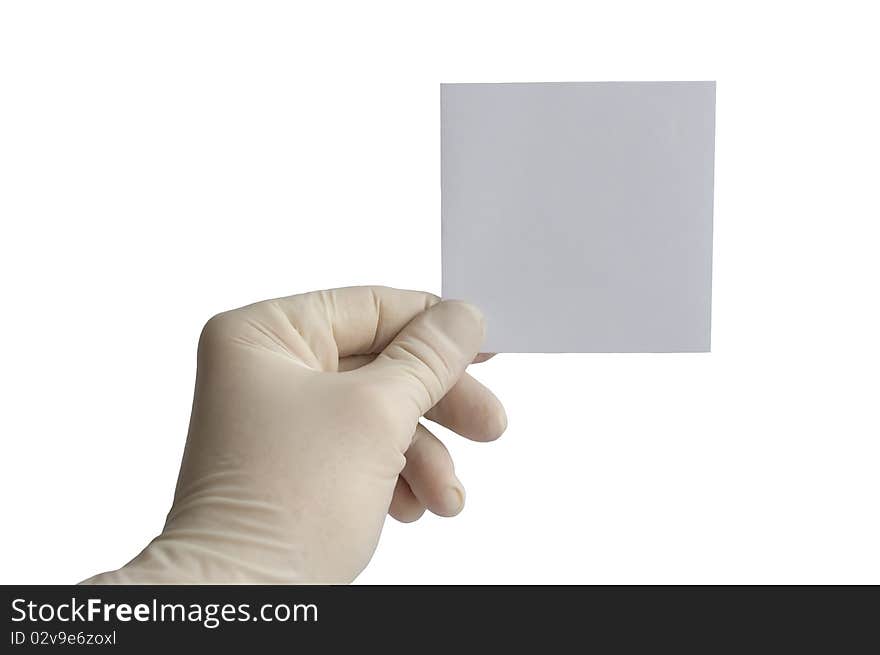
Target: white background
(163, 161)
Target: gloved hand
(305, 432)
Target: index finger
(353, 320)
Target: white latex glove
(305, 432)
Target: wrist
(172, 560)
(215, 541)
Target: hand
(305, 432)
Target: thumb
(429, 355)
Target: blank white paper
(578, 215)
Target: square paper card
(578, 215)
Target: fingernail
(474, 311)
(461, 321)
(502, 422)
(454, 499)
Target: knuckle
(217, 330)
(368, 396)
(372, 405)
